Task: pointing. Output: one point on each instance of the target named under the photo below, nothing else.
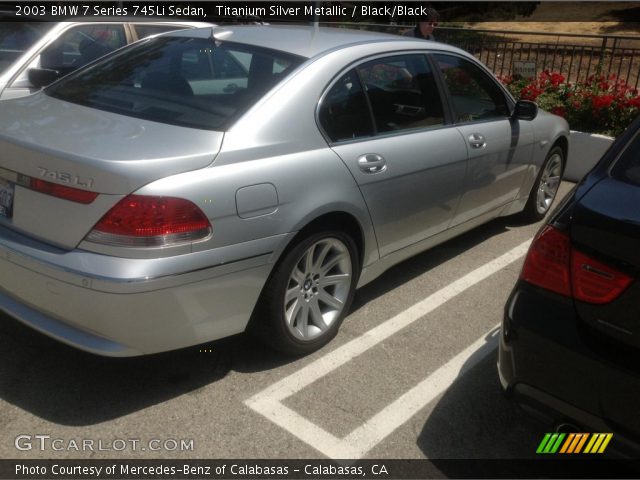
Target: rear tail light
(149, 221)
(554, 265)
(548, 261)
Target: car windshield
(16, 38)
(190, 82)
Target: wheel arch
(333, 220)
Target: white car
(33, 54)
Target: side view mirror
(525, 110)
(41, 77)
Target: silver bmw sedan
(206, 182)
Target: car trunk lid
(82, 148)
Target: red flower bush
(634, 103)
(599, 105)
(601, 102)
(530, 92)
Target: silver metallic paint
(117, 301)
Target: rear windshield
(16, 38)
(627, 168)
(190, 82)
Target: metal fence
(576, 57)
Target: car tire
(309, 293)
(546, 186)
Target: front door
(500, 148)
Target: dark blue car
(570, 340)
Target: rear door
(500, 148)
(385, 119)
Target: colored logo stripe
(598, 442)
(574, 443)
(550, 443)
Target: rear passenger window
(627, 168)
(402, 92)
(344, 114)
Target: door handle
(477, 140)
(372, 163)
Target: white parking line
(368, 435)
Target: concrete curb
(585, 149)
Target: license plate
(6, 198)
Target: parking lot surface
(410, 375)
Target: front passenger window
(474, 94)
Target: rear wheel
(309, 293)
(546, 186)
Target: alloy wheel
(318, 288)
(549, 183)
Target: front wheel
(546, 187)
(309, 293)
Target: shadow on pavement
(71, 387)
(472, 413)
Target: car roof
(307, 41)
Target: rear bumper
(547, 363)
(125, 307)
